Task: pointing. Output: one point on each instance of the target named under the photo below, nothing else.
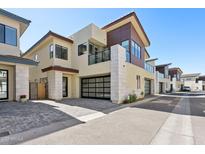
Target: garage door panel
(96, 87)
(147, 87)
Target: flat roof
(15, 59)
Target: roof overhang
(44, 39)
(18, 60)
(24, 23)
(163, 65)
(149, 60)
(60, 68)
(196, 75)
(130, 18)
(176, 69)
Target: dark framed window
(3, 84)
(82, 48)
(61, 52)
(136, 50)
(2, 34)
(8, 35)
(126, 45)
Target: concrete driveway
(166, 120)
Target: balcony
(148, 67)
(99, 57)
(160, 76)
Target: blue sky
(176, 35)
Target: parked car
(186, 88)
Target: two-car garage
(96, 87)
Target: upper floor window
(93, 48)
(61, 52)
(8, 35)
(136, 50)
(82, 48)
(51, 50)
(125, 44)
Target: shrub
(142, 93)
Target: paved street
(165, 120)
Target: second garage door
(147, 87)
(96, 87)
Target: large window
(125, 44)
(136, 50)
(8, 35)
(93, 49)
(61, 52)
(82, 48)
(3, 84)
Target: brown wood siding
(118, 35)
(136, 38)
(127, 32)
(160, 69)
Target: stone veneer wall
(55, 85)
(118, 74)
(21, 80)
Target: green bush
(132, 98)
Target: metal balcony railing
(149, 67)
(161, 76)
(99, 57)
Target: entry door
(3, 84)
(203, 88)
(65, 87)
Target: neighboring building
(175, 75)
(106, 63)
(202, 79)
(14, 70)
(162, 79)
(194, 81)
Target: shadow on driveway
(18, 118)
(100, 105)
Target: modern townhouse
(194, 81)
(163, 79)
(175, 75)
(14, 70)
(106, 63)
(202, 79)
